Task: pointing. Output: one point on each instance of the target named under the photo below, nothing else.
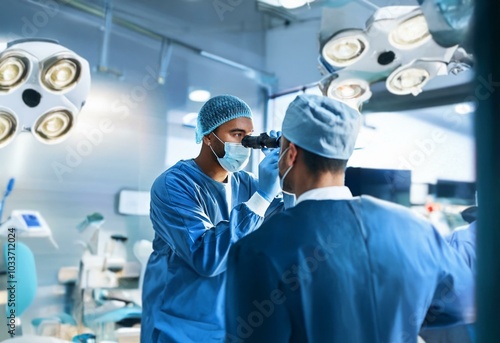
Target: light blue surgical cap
(321, 125)
(219, 110)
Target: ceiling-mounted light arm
(460, 61)
(165, 56)
(108, 21)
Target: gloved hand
(274, 134)
(269, 184)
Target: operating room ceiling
(234, 31)
(237, 36)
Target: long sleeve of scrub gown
(196, 220)
(353, 270)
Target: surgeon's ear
(292, 153)
(206, 140)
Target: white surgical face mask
(235, 158)
(282, 178)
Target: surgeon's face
(233, 131)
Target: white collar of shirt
(326, 193)
(229, 193)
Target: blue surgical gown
(195, 224)
(463, 239)
(357, 270)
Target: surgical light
(12, 72)
(352, 91)
(43, 87)
(396, 47)
(344, 51)
(53, 126)
(348, 89)
(61, 74)
(407, 81)
(8, 127)
(410, 33)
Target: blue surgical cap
(321, 125)
(219, 110)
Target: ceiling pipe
(264, 79)
(165, 56)
(108, 21)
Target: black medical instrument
(261, 141)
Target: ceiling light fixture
(407, 80)
(350, 90)
(43, 87)
(52, 127)
(411, 33)
(61, 73)
(199, 95)
(8, 127)
(13, 70)
(396, 47)
(345, 50)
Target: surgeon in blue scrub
(199, 208)
(338, 268)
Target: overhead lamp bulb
(62, 74)
(407, 81)
(12, 72)
(53, 127)
(341, 52)
(199, 95)
(8, 126)
(410, 33)
(291, 4)
(348, 89)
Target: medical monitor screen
(31, 220)
(387, 184)
(456, 192)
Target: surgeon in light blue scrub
(463, 238)
(338, 268)
(199, 208)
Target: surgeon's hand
(274, 134)
(269, 183)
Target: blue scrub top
(464, 241)
(358, 270)
(195, 224)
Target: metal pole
(108, 20)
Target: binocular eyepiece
(261, 141)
